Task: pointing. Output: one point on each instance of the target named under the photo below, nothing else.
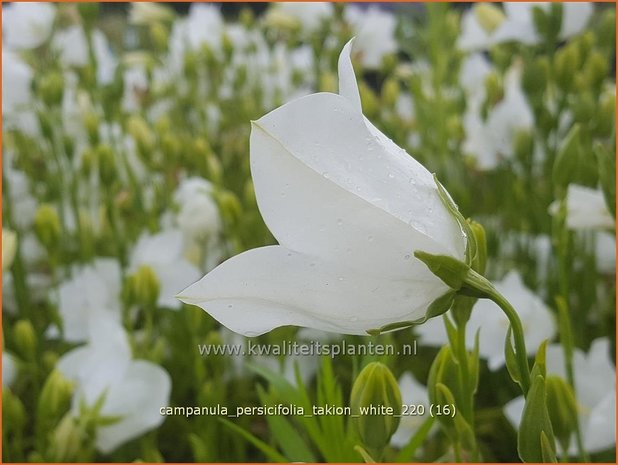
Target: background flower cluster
(126, 178)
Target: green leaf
(549, 455)
(270, 453)
(473, 363)
(285, 434)
(535, 420)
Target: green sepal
(438, 307)
(451, 271)
(451, 206)
(511, 360)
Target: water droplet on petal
(407, 257)
(370, 238)
(354, 318)
(391, 176)
(325, 174)
(340, 278)
(339, 222)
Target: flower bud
(494, 88)
(66, 441)
(25, 339)
(145, 286)
(328, 83)
(562, 408)
(51, 88)
(479, 262)
(374, 391)
(606, 116)
(159, 35)
(369, 100)
(390, 92)
(139, 130)
(47, 226)
(566, 64)
(489, 16)
(229, 205)
(9, 246)
(54, 401)
(597, 70)
(567, 163)
(13, 411)
(607, 30)
(535, 76)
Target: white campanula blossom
(537, 321)
(133, 390)
(375, 33)
(482, 27)
(585, 209)
(164, 253)
(27, 25)
(490, 141)
(349, 208)
(595, 389)
(72, 45)
(92, 292)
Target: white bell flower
(27, 25)
(349, 208)
(133, 390)
(375, 33)
(586, 209)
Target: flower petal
(348, 88)
(319, 153)
(138, 399)
(268, 287)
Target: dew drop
(340, 278)
(312, 264)
(339, 222)
(354, 318)
(407, 257)
(391, 176)
(230, 306)
(325, 174)
(370, 238)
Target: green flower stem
(476, 282)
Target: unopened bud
(66, 440)
(371, 105)
(54, 400)
(107, 164)
(13, 411)
(25, 339)
(376, 399)
(567, 163)
(9, 246)
(47, 226)
(145, 286)
(51, 88)
(489, 16)
(390, 92)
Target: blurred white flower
(200, 222)
(605, 252)
(9, 246)
(9, 369)
(93, 291)
(349, 208)
(483, 27)
(23, 204)
(164, 253)
(134, 390)
(492, 140)
(412, 393)
(309, 15)
(474, 70)
(586, 209)
(27, 25)
(595, 386)
(72, 45)
(519, 24)
(537, 322)
(374, 29)
(16, 82)
(135, 84)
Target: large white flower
(595, 386)
(93, 291)
(537, 321)
(349, 208)
(375, 33)
(586, 209)
(164, 253)
(27, 25)
(308, 14)
(133, 390)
